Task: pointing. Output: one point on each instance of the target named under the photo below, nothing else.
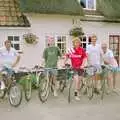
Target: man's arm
(113, 61)
(16, 61)
(16, 54)
(66, 56)
(44, 57)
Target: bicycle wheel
(102, 89)
(43, 91)
(69, 90)
(28, 88)
(62, 85)
(83, 88)
(2, 94)
(15, 95)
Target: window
(60, 41)
(114, 45)
(15, 42)
(85, 41)
(88, 4)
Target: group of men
(80, 58)
(95, 55)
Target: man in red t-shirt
(78, 58)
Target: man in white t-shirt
(108, 56)
(8, 57)
(108, 59)
(94, 57)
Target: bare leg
(109, 81)
(54, 78)
(77, 80)
(114, 80)
(95, 78)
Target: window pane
(111, 39)
(83, 3)
(111, 46)
(91, 4)
(89, 40)
(63, 51)
(59, 45)
(10, 38)
(116, 39)
(84, 39)
(16, 38)
(63, 38)
(17, 46)
(84, 45)
(11, 45)
(115, 46)
(62, 46)
(59, 39)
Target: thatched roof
(109, 8)
(67, 7)
(10, 14)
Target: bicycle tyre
(43, 88)
(103, 89)
(62, 85)
(15, 95)
(2, 94)
(69, 90)
(28, 89)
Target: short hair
(104, 45)
(76, 39)
(7, 41)
(93, 36)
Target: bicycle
(69, 80)
(28, 80)
(46, 84)
(12, 89)
(105, 70)
(87, 83)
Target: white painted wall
(43, 25)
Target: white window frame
(87, 40)
(61, 42)
(15, 42)
(87, 8)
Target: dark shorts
(79, 72)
